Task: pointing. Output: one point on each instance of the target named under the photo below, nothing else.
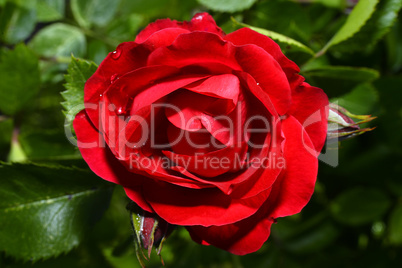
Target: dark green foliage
(19, 78)
(78, 72)
(46, 218)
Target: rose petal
(310, 108)
(290, 193)
(201, 47)
(205, 207)
(267, 73)
(295, 186)
(246, 36)
(225, 86)
(155, 170)
(224, 187)
(255, 179)
(127, 57)
(259, 93)
(103, 163)
(136, 81)
(186, 118)
(262, 166)
(161, 89)
(264, 169)
(240, 238)
(192, 142)
(196, 48)
(96, 154)
(140, 90)
(190, 111)
(229, 128)
(211, 164)
(162, 38)
(200, 22)
(205, 22)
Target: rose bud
(211, 131)
(149, 231)
(341, 125)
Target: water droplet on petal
(258, 84)
(198, 17)
(113, 78)
(116, 54)
(120, 111)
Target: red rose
(214, 132)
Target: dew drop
(113, 78)
(258, 84)
(198, 18)
(120, 110)
(116, 54)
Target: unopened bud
(341, 125)
(150, 231)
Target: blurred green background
(51, 205)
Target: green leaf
(270, 14)
(389, 90)
(360, 206)
(394, 48)
(332, 3)
(42, 145)
(97, 51)
(395, 226)
(227, 5)
(59, 39)
(394, 185)
(307, 235)
(124, 28)
(360, 14)
(94, 12)
(315, 239)
(16, 23)
(286, 43)
(78, 73)
(85, 256)
(158, 9)
(45, 211)
(115, 225)
(50, 10)
(19, 78)
(337, 80)
(375, 28)
(6, 129)
(360, 100)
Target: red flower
(214, 132)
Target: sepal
(150, 231)
(341, 125)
